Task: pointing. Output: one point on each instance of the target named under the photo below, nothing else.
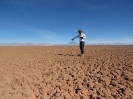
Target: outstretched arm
(75, 37)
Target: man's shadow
(66, 54)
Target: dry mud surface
(57, 72)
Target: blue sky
(57, 21)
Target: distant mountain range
(72, 43)
(48, 44)
(34, 44)
(26, 44)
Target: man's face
(80, 32)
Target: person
(81, 37)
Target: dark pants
(82, 43)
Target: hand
(72, 39)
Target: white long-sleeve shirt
(80, 35)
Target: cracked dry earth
(57, 72)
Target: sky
(57, 21)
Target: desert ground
(57, 72)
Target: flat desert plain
(57, 72)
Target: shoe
(82, 55)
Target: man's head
(80, 31)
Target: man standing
(81, 37)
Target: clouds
(27, 27)
(39, 31)
(44, 33)
(31, 29)
(34, 33)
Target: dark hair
(80, 31)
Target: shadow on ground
(67, 55)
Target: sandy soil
(49, 72)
